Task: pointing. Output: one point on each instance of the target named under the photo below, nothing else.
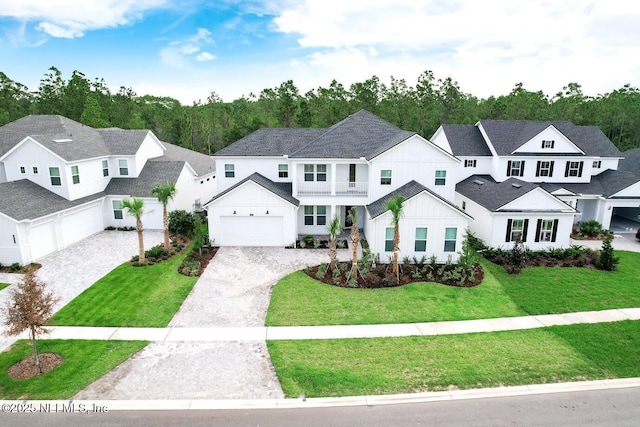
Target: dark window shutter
(555, 230)
(553, 143)
(538, 226)
(509, 168)
(522, 168)
(580, 169)
(550, 169)
(566, 170)
(538, 168)
(524, 230)
(542, 144)
(508, 236)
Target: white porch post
(333, 179)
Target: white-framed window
(470, 163)
(308, 172)
(23, 170)
(105, 168)
(441, 178)
(544, 168)
(117, 209)
(420, 244)
(517, 228)
(388, 239)
(229, 170)
(548, 144)
(75, 174)
(385, 177)
(450, 235)
(546, 230)
(321, 173)
(123, 165)
(597, 164)
(573, 169)
(315, 215)
(515, 168)
(54, 175)
(34, 170)
(283, 171)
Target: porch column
(333, 179)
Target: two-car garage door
(251, 231)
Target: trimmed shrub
(181, 223)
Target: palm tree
(135, 207)
(395, 206)
(164, 193)
(355, 238)
(334, 228)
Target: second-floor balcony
(315, 188)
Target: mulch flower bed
(19, 269)
(576, 257)
(380, 276)
(26, 368)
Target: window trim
(124, 169)
(35, 170)
(313, 215)
(321, 218)
(549, 143)
(55, 178)
(117, 207)
(470, 163)
(511, 229)
(544, 170)
(105, 167)
(309, 215)
(511, 168)
(283, 170)
(388, 243)
(75, 175)
(440, 177)
(321, 176)
(540, 230)
(449, 240)
(385, 180)
(23, 170)
(597, 164)
(420, 240)
(229, 170)
(569, 168)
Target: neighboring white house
(278, 184)
(61, 181)
(539, 177)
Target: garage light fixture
(267, 212)
(234, 212)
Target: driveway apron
(233, 291)
(70, 271)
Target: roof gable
(560, 144)
(153, 173)
(271, 142)
(536, 199)
(280, 189)
(408, 191)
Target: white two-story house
(61, 181)
(536, 178)
(278, 184)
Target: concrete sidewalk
(261, 334)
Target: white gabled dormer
(549, 142)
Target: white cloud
(179, 53)
(72, 18)
(205, 56)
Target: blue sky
(187, 49)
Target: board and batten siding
(246, 166)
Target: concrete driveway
(621, 241)
(234, 291)
(72, 270)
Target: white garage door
(42, 239)
(252, 231)
(82, 224)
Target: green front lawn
(413, 364)
(130, 296)
(83, 363)
(3, 285)
(300, 300)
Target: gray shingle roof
(280, 189)
(86, 142)
(409, 190)
(466, 140)
(153, 173)
(507, 135)
(201, 163)
(272, 142)
(123, 142)
(360, 135)
(631, 162)
(24, 199)
(605, 184)
(491, 194)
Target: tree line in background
(210, 125)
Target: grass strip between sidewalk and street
(298, 299)
(352, 367)
(130, 296)
(83, 363)
(3, 285)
